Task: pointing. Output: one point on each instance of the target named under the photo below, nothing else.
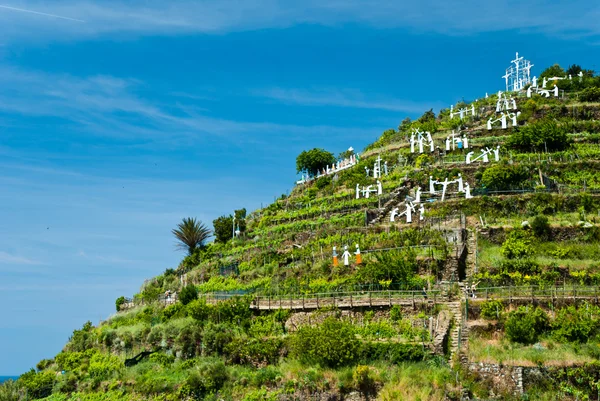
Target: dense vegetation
(525, 249)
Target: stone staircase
(458, 335)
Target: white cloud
(110, 106)
(136, 17)
(7, 258)
(352, 98)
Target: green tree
(313, 161)
(525, 326)
(500, 177)
(574, 324)
(541, 227)
(331, 344)
(517, 245)
(542, 135)
(191, 234)
(553, 71)
(223, 226)
(188, 294)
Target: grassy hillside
(269, 316)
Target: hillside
(477, 277)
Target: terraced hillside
(488, 293)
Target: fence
(366, 298)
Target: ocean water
(5, 378)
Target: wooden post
(317, 301)
(302, 301)
(351, 304)
(269, 302)
(370, 303)
(390, 297)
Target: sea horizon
(6, 378)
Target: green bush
(188, 294)
(573, 324)
(254, 351)
(37, 385)
(103, 366)
(503, 177)
(541, 135)
(332, 344)
(120, 301)
(396, 313)
(83, 339)
(492, 310)
(541, 227)
(12, 391)
(517, 245)
(392, 352)
(207, 378)
(525, 325)
(176, 310)
(591, 94)
(199, 310)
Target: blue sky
(117, 119)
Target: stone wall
(503, 378)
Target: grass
(551, 353)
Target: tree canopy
(223, 226)
(191, 234)
(314, 160)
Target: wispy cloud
(21, 10)
(112, 107)
(137, 17)
(7, 258)
(352, 98)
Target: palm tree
(191, 234)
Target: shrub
(392, 352)
(492, 310)
(574, 324)
(207, 378)
(83, 339)
(177, 310)
(363, 379)
(500, 177)
(120, 301)
(254, 351)
(396, 313)
(591, 94)
(103, 366)
(517, 245)
(198, 309)
(38, 385)
(541, 227)
(542, 134)
(525, 326)
(188, 294)
(12, 391)
(331, 344)
(44, 363)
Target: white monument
(518, 74)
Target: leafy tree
(331, 344)
(517, 245)
(38, 385)
(574, 70)
(314, 160)
(541, 227)
(492, 310)
(188, 294)
(223, 226)
(542, 134)
(405, 124)
(590, 94)
(500, 177)
(120, 301)
(525, 326)
(427, 116)
(553, 71)
(346, 154)
(191, 234)
(574, 324)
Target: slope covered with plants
(503, 276)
